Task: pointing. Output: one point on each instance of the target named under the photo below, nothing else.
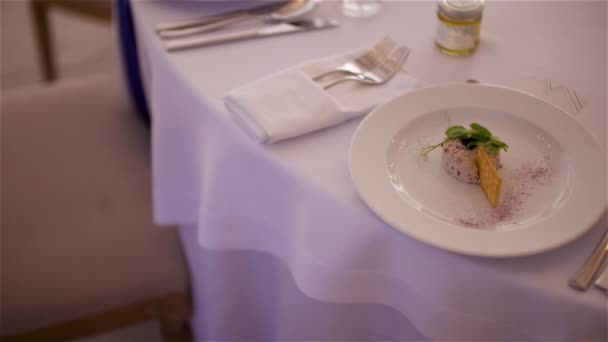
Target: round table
(279, 243)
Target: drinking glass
(360, 8)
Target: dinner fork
(381, 73)
(368, 60)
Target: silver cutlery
(602, 281)
(266, 8)
(272, 30)
(367, 60)
(380, 74)
(288, 11)
(585, 275)
(573, 97)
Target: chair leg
(39, 9)
(174, 315)
(175, 330)
(172, 312)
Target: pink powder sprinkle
(517, 188)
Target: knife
(602, 281)
(272, 30)
(584, 276)
(189, 23)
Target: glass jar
(458, 26)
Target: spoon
(292, 10)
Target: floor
(83, 47)
(143, 332)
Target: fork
(381, 73)
(371, 58)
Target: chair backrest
(101, 10)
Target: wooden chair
(79, 251)
(40, 9)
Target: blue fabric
(130, 61)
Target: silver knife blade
(602, 281)
(296, 12)
(584, 277)
(272, 30)
(188, 23)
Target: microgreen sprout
(471, 138)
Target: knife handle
(204, 41)
(584, 276)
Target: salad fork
(371, 58)
(380, 74)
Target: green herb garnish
(471, 138)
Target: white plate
(554, 173)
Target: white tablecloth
(280, 245)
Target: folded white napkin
(289, 103)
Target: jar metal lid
(461, 9)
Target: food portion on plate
(472, 156)
(490, 180)
(461, 162)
